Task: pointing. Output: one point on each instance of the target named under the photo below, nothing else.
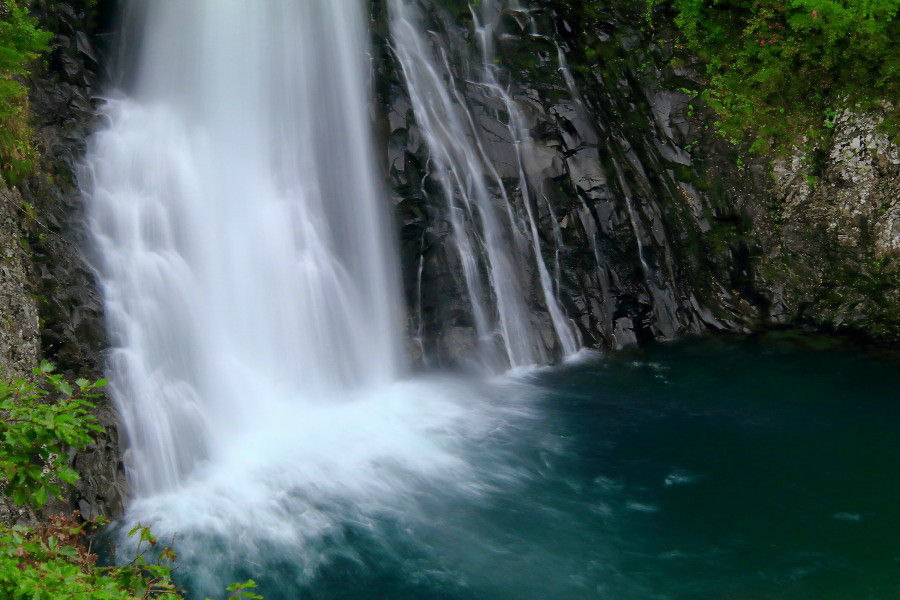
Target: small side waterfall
(240, 229)
(487, 31)
(494, 235)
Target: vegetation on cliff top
(21, 42)
(778, 69)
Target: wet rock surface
(624, 216)
(654, 226)
(48, 292)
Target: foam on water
(242, 242)
(294, 479)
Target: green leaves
(51, 562)
(242, 591)
(41, 421)
(21, 41)
(775, 66)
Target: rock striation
(625, 216)
(654, 226)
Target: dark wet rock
(663, 234)
(58, 308)
(19, 325)
(103, 487)
(609, 174)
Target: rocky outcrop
(655, 226)
(64, 115)
(49, 303)
(832, 241)
(641, 243)
(19, 326)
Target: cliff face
(656, 227)
(831, 243)
(49, 301)
(644, 245)
(19, 326)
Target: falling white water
(474, 190)
(491, 11)
(244, 251)
(243, 248)
(240, 232)
(633, 218)
(420, 322)
(465, 173)
(567, 76)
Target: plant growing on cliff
(21, 42)
(54, 561)
(775, 66)
(42, 419)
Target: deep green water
(761, 468)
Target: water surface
(715, 469)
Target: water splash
(240, 231)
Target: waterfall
(492, 236)
(240, 231)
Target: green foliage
(243, 591)
(41, 420)
(53, 562)
(777, 68)
(21, 41)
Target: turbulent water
(708, 470)
(249, 276)
(241, 239)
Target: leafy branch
(42, 419)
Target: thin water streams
(470, 179)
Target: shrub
(53, 562)
(779, 68)
(40, 420)
(21, 42)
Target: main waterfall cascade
(496, 238)
(240, 227)
(248, 266)
(243, 244)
